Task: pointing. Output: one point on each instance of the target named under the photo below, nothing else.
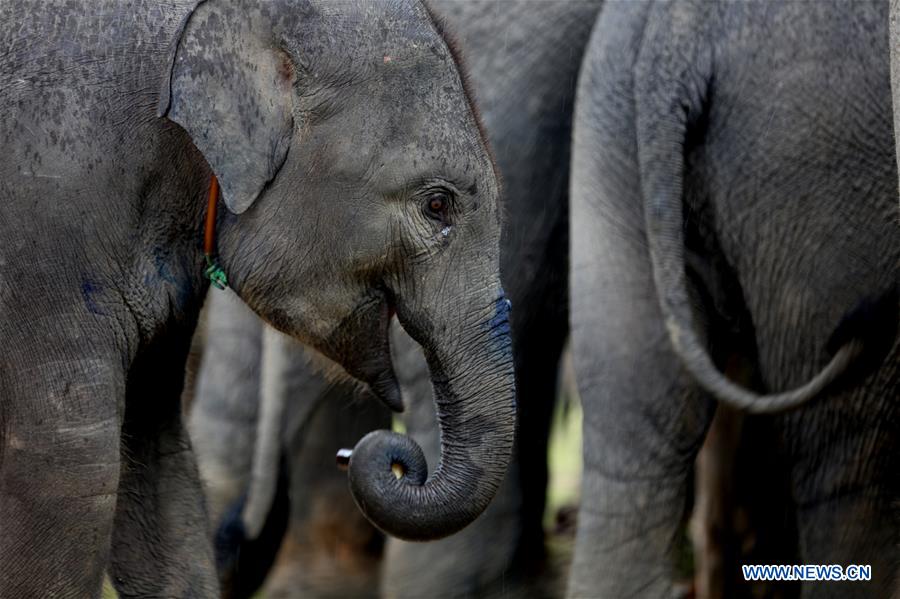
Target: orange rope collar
(213, 271)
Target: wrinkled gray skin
(758, 137)
(331, 127)
(522, 59)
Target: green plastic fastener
(215, 274)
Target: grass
(564, 458)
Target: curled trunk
(474, 389)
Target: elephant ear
(229, 86)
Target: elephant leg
(644, 420)
(59, 471)
(732, 522)
(225, 407)
(330, 549)
(643, 426)
(712, 533)
(540, 336)
(845, 456)
(160, 546)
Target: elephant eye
(436, 205)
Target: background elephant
(734, 204)
(320, 123)
(523, 59)
(325, 547)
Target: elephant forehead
(382, 20)
(359, 37)
(397, 131)
(389, 157)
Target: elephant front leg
(160, 545)
(59, 471)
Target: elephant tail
(264, 472)
(671, 90)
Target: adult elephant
(328, 126)
(734, 192)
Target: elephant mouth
(361, 344)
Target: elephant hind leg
(844, 455)
(644, 419)
(640, 441)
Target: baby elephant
(355, 185)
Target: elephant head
(358, 186)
